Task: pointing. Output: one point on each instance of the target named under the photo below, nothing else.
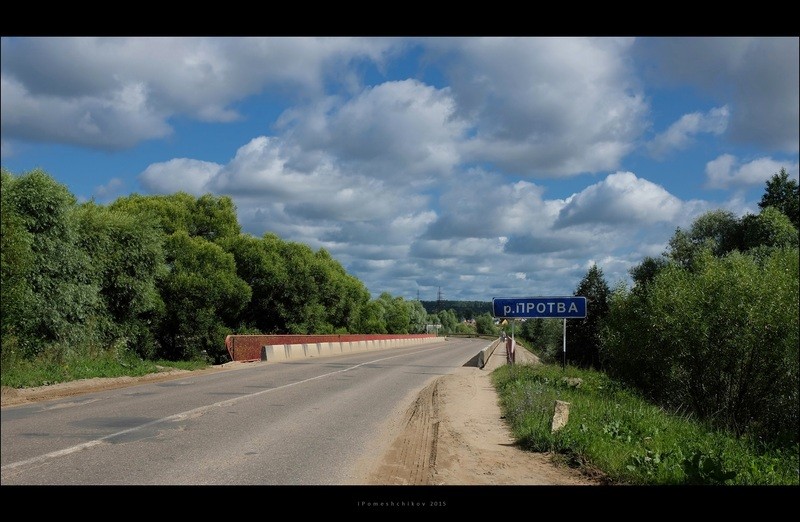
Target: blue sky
(487, 167)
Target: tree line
(711, 328)
(168, 277)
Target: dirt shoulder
(453, 432)
(16, 396)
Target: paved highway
(306, 422)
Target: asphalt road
(307, 422)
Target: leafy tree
(718, 231)
(16, 261)
(302, 301)
(583, 335)
(783, 194)
(127, 254)
(341, 295)
(546, 336)
(373, 319)
(769, 228)
(213, 218)
(260, 265)
(62, 296)
(417, 316)
(396, 314)
(448, 320)
(644, 273)
(172, 213)
(202, 296)
(721, 341)
(484, 324)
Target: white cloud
(112, 188)
(545, 106)
(399, 131)
(482, 204)
(758, 77)
(679, 134)
(116, 119)
(620, 199)
(262, 172)
(179, 175)
(725, 172)
(114, 92)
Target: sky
(463, 167)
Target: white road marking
(184, 415)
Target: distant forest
(462, 309)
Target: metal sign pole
(564, 364)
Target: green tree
(396, 314)
(721, 341)
(417, 316)
(448, 320)
(202, 296)
(302, 300)
(644, 273)
(484, 324)
(260, 264)
(718, 231)
(341, 295)
(213, 218)
(783, 194)
(583, 335)
(16, 261)
(172, 212)
(770, 228)
(373, 319)
(127, 254)
(62, 298)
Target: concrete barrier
(250, 347)
(324, 348)
(483, 355)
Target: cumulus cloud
(679, 135)
(462, 248)
(115, 119)
(179, 175)
(760, 77)
(481, 204)
(111, 93)
(107, 191)
(545, 106)
(620, 199)
(263, 171)
(399, 131)
(726, 172)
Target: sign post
(573, 307)
(564, 361)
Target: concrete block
(273, 353)
(295, 351)
(560, 416)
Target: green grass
(65, 364)
(629, 440)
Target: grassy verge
(69, 365)
(628, 439)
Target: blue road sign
(528, 307)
